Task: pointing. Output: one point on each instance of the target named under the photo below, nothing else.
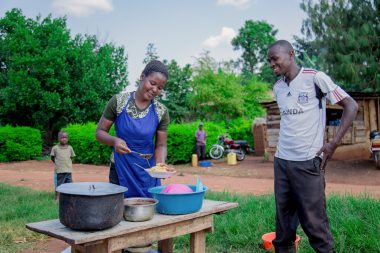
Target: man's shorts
(63, 178)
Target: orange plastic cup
(269, 237)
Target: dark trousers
(201, 152)
(63, 178)
(113, 178)
(299, 188)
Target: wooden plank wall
(273, 130)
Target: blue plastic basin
(180, 203)
(205, 164)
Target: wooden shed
(355, 143)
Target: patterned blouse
(116, 104)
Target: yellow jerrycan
(194, 160)
(231, 159)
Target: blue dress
(139, 135)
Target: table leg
(166, 246)
(98, 247)
(198, 242)
(75, 250)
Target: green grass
(355, 222)
(20, 206)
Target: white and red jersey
(302, 121)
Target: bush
(87, 149)
(240, 129)
(19, 143)
(181, 140)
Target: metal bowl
(139, 209)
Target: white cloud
(81, 7)
(241, 4)
(225, 36)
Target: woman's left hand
(167, 167)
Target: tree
(218, 93)
(347, 35)
(49, 79)
(177, 88)
(150, 54)
(217, 96)
(253, 39)
(205, 62)
(255, 91)
(212, 90)
(307, 53)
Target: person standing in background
(61, 155)
(200, 136)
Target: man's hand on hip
(327, 151)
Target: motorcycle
(374, 136)
(226, 146)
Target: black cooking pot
(90, 205)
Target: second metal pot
(139, 209)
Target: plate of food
(160, 171)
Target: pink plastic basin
(177, 188)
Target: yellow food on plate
(161, 170)
(160, 167)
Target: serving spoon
(143, 156)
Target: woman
(139, 120)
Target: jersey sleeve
(333, 92)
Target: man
(200, 136)
(301, 155)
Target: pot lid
(91, 188)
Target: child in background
(61, 155)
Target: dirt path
(252, 176)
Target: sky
(179, 29)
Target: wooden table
(162, 228)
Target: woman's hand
(166, 167)
(121, 147)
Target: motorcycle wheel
(377, 159)
(240, 155)
(216, 152)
